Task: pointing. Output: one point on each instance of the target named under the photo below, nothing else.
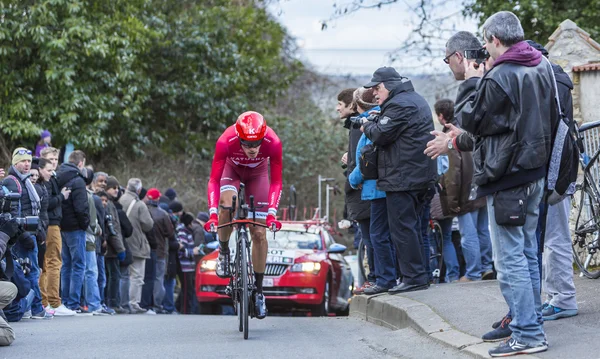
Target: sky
(359, 43)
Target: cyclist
(244, 153)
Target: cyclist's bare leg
(226, 200)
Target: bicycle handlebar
(242, 221)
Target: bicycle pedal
(228, 291)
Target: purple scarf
(520, 53)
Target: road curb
(398, 312)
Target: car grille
(275, 270)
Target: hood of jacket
(520, 53)
(66, 172)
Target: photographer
(405, 173)
(28, 205)
(357, 209)
(508, 113)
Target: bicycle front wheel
(587, 233)
(244, 282)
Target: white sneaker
(27, 315)
(49, 309)
(63, 311)
(151, 312)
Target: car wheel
(322, 309)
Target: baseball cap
(384, 74)
(153, 194)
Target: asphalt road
(164, 336)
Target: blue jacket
(369, 188)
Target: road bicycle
(241, 284)
(587, 203)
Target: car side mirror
(337, 248)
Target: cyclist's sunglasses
(24, 152)
(251, 144)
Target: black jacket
(26, 209)
(44, 200)
(356, 207)
(55, 199)
(510, 112)
(161, 231)
(401, 134)
(75, 210)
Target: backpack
(567, 146)
(368, 162)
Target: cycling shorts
(257, 182)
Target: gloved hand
(271, 220)
(121, 256)
(11, 228)
(214, 219)
(27, 241)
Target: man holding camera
(18, 181)
(400, 134)
(508, 113)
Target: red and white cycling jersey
(229, 153)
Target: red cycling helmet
(250, 127)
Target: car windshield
(295, 240)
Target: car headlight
(314, 267)
(208, 266)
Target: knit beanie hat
(112, 182)
(88, 176)
(143, 193)
(364, 98)
(187, 219)
(45, 134)
(176, 207)
(21, 154)
(153, 194)
(171, 194)
(202, 216)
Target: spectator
(173, 265)
(472, 215)
(176, 209)
(383, 252)
(21, 304)
(99, 183)
(515, 96)
(171, 194)
(115, 251)
(187, 251)
(142, 222)
(75, 221)
(44, 142)
(40, 235)
(50, 277)
(28, 205)
(356, 209)
(162, 231)
(206, 237)
(8, 292)
(150, 266)
(400, 134)
(93, 301)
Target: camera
(357, 121)
(110, 224)
(479, 55)
(28, 223)
(25, 264)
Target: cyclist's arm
(214, 183)
(276, 163)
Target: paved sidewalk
(446, 311)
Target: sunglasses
(447, 58)
(251, 144)
(24, 152)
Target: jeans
(187, 298)
(515, 256)
(422, 227)
(113, 287)
(34, 274)
(475, 242)
(92, 293)
(366, 237)
(101, 277)
(50, 277)
(169, 301)
(124, 290)
(449, 252)
(73, 269)
(159, 287)
(404, 213)
(149, 275)
(382, 244)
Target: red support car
(305, 270)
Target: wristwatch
(450, 144)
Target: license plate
(267, 282)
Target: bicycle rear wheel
(244, 283)
(587, 232)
